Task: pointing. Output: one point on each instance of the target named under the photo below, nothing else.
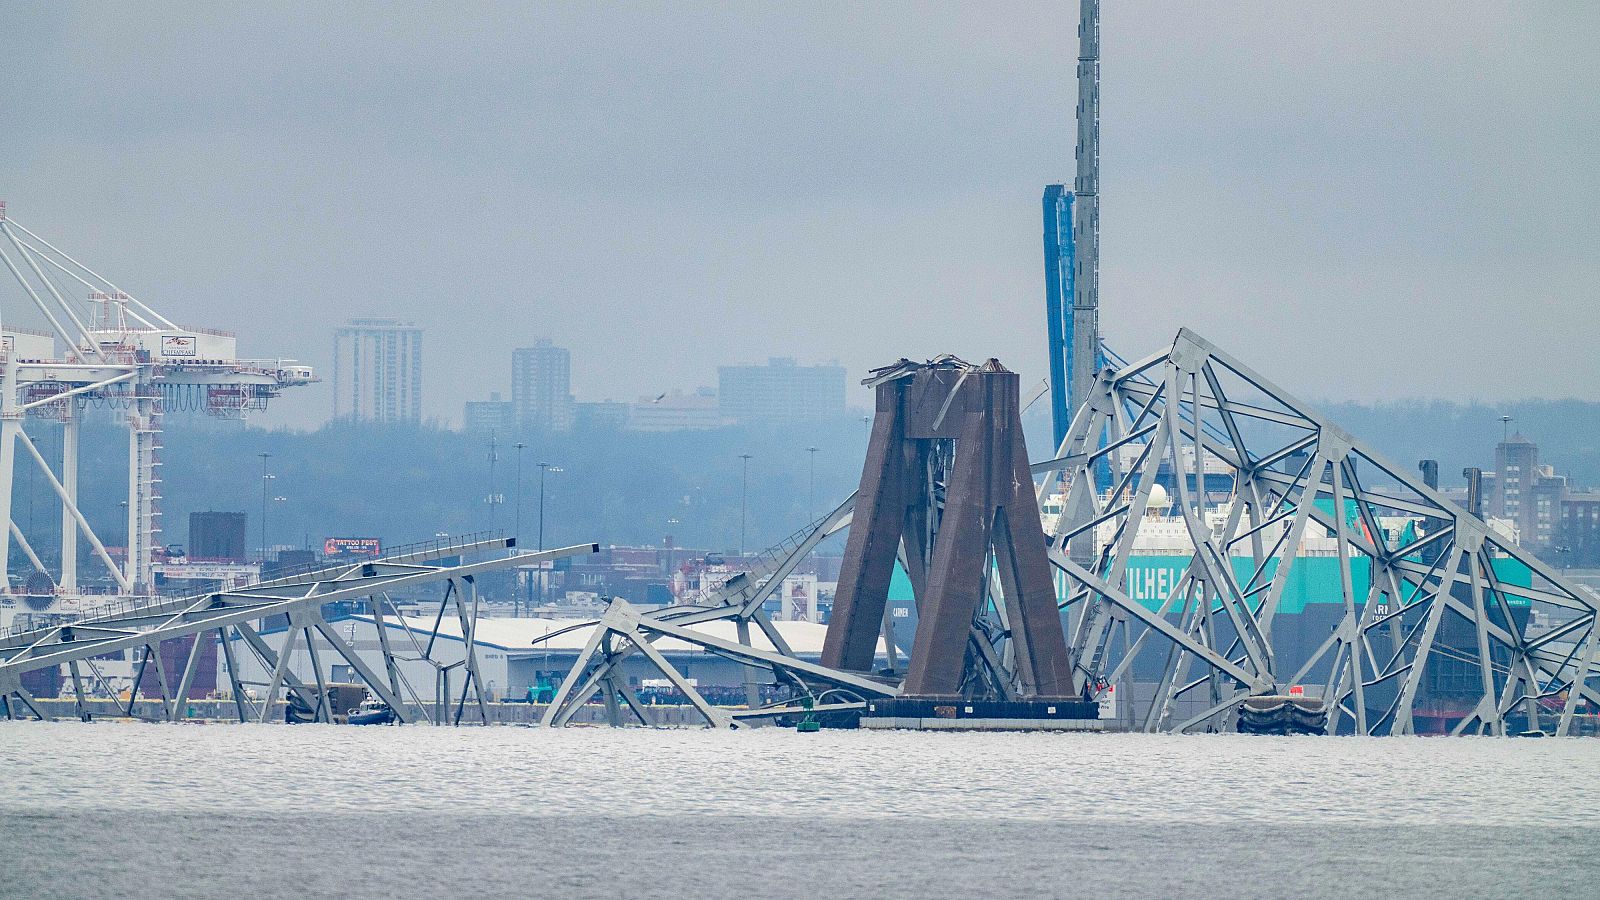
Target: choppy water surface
(188, 810)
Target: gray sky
(1363, 200)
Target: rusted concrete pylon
(947, 476)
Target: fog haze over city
(1347, 197)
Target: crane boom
(1085, 350)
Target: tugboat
(371, 712)
(358, 704)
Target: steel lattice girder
(624, 630)
(299, 598)
(1175, 417)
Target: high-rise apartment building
(377, 371)
(781, 391)
(541, 386)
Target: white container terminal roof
(528, 636)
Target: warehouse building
(514, 654)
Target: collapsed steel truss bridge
(1257, 481)
(1447, 590)
(624, 630)
(1453, 591)
(236, 616)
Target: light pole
(811, 490)
(1505, 429)
(266, 479)
(493, 455)
(518, 532)
(744, 489)
(278, 504)
(544, 468)
(671, 521)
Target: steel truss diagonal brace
(1254, 480)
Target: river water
(147, 810)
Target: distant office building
(1578, 542)
(1549, 497)
(781, 392)
(491, 415)
(217, 536)
(605, 415)
(698, 411)
(377, 371)
(541, 386)
(288, 562)
(1527, 493)
(1516, 460)
(1552, 516)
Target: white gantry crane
(110, 349)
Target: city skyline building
(217, 536)
(1515, 460)
(377, 371)
(541, 386)
(1526, 492)
(1549, 498)
(1579, 533)
(601, 415)
(494, 414)
(677, 411)
(1550, 514)
(781, 392)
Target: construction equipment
(108, 350)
